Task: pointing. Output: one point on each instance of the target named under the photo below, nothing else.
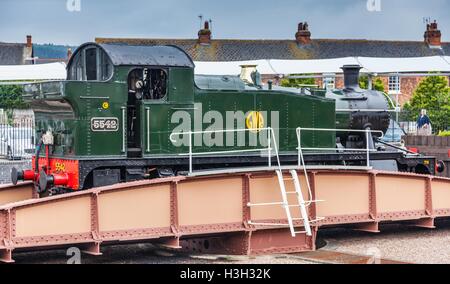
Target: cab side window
(76, 71)
(148, 83)
(91, 64)
(106, 67)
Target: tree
(296, 83)
(377, 84)
(11, 97)
(432, 94)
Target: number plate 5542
(105, 124)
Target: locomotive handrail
(272, 144)
(396, 110)
(367, 150)
(271, 138)
(341, 130)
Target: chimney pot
(204, 35)
(29, 41)
(303, 35)
(69, 53)
(433, 35)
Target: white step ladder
(302, 205)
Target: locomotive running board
(200, 173)
(210, 214)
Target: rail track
(211, 214)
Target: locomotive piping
(38, 151)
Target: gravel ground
(395, 242)
(149, 254)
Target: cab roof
(141, 55)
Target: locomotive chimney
(433, 35)
(204, 35)
(303, 35)
(351, 76)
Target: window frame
(97, 63)
(329, 80)
(166, 70)
(394, 87)
(79, 62)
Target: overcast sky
(49, 21)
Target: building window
(394, 85)
(329, 82)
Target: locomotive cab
(113, 105)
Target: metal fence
(17, 141)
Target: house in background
(31, 53)
(18, 64)
(303, 47)
(16, 53)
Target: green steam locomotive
(128, 113)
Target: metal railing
(272, 145)
(367, 150)
(271, 139)
(17, 141)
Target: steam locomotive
(125, 113)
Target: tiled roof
(13, 53)
(238, 50)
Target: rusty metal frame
(370, 222)
(16, 193)
(236, 237)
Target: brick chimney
(433, 35)
(29, 41)
(204, 35)
(303, 35)
(69, 53)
